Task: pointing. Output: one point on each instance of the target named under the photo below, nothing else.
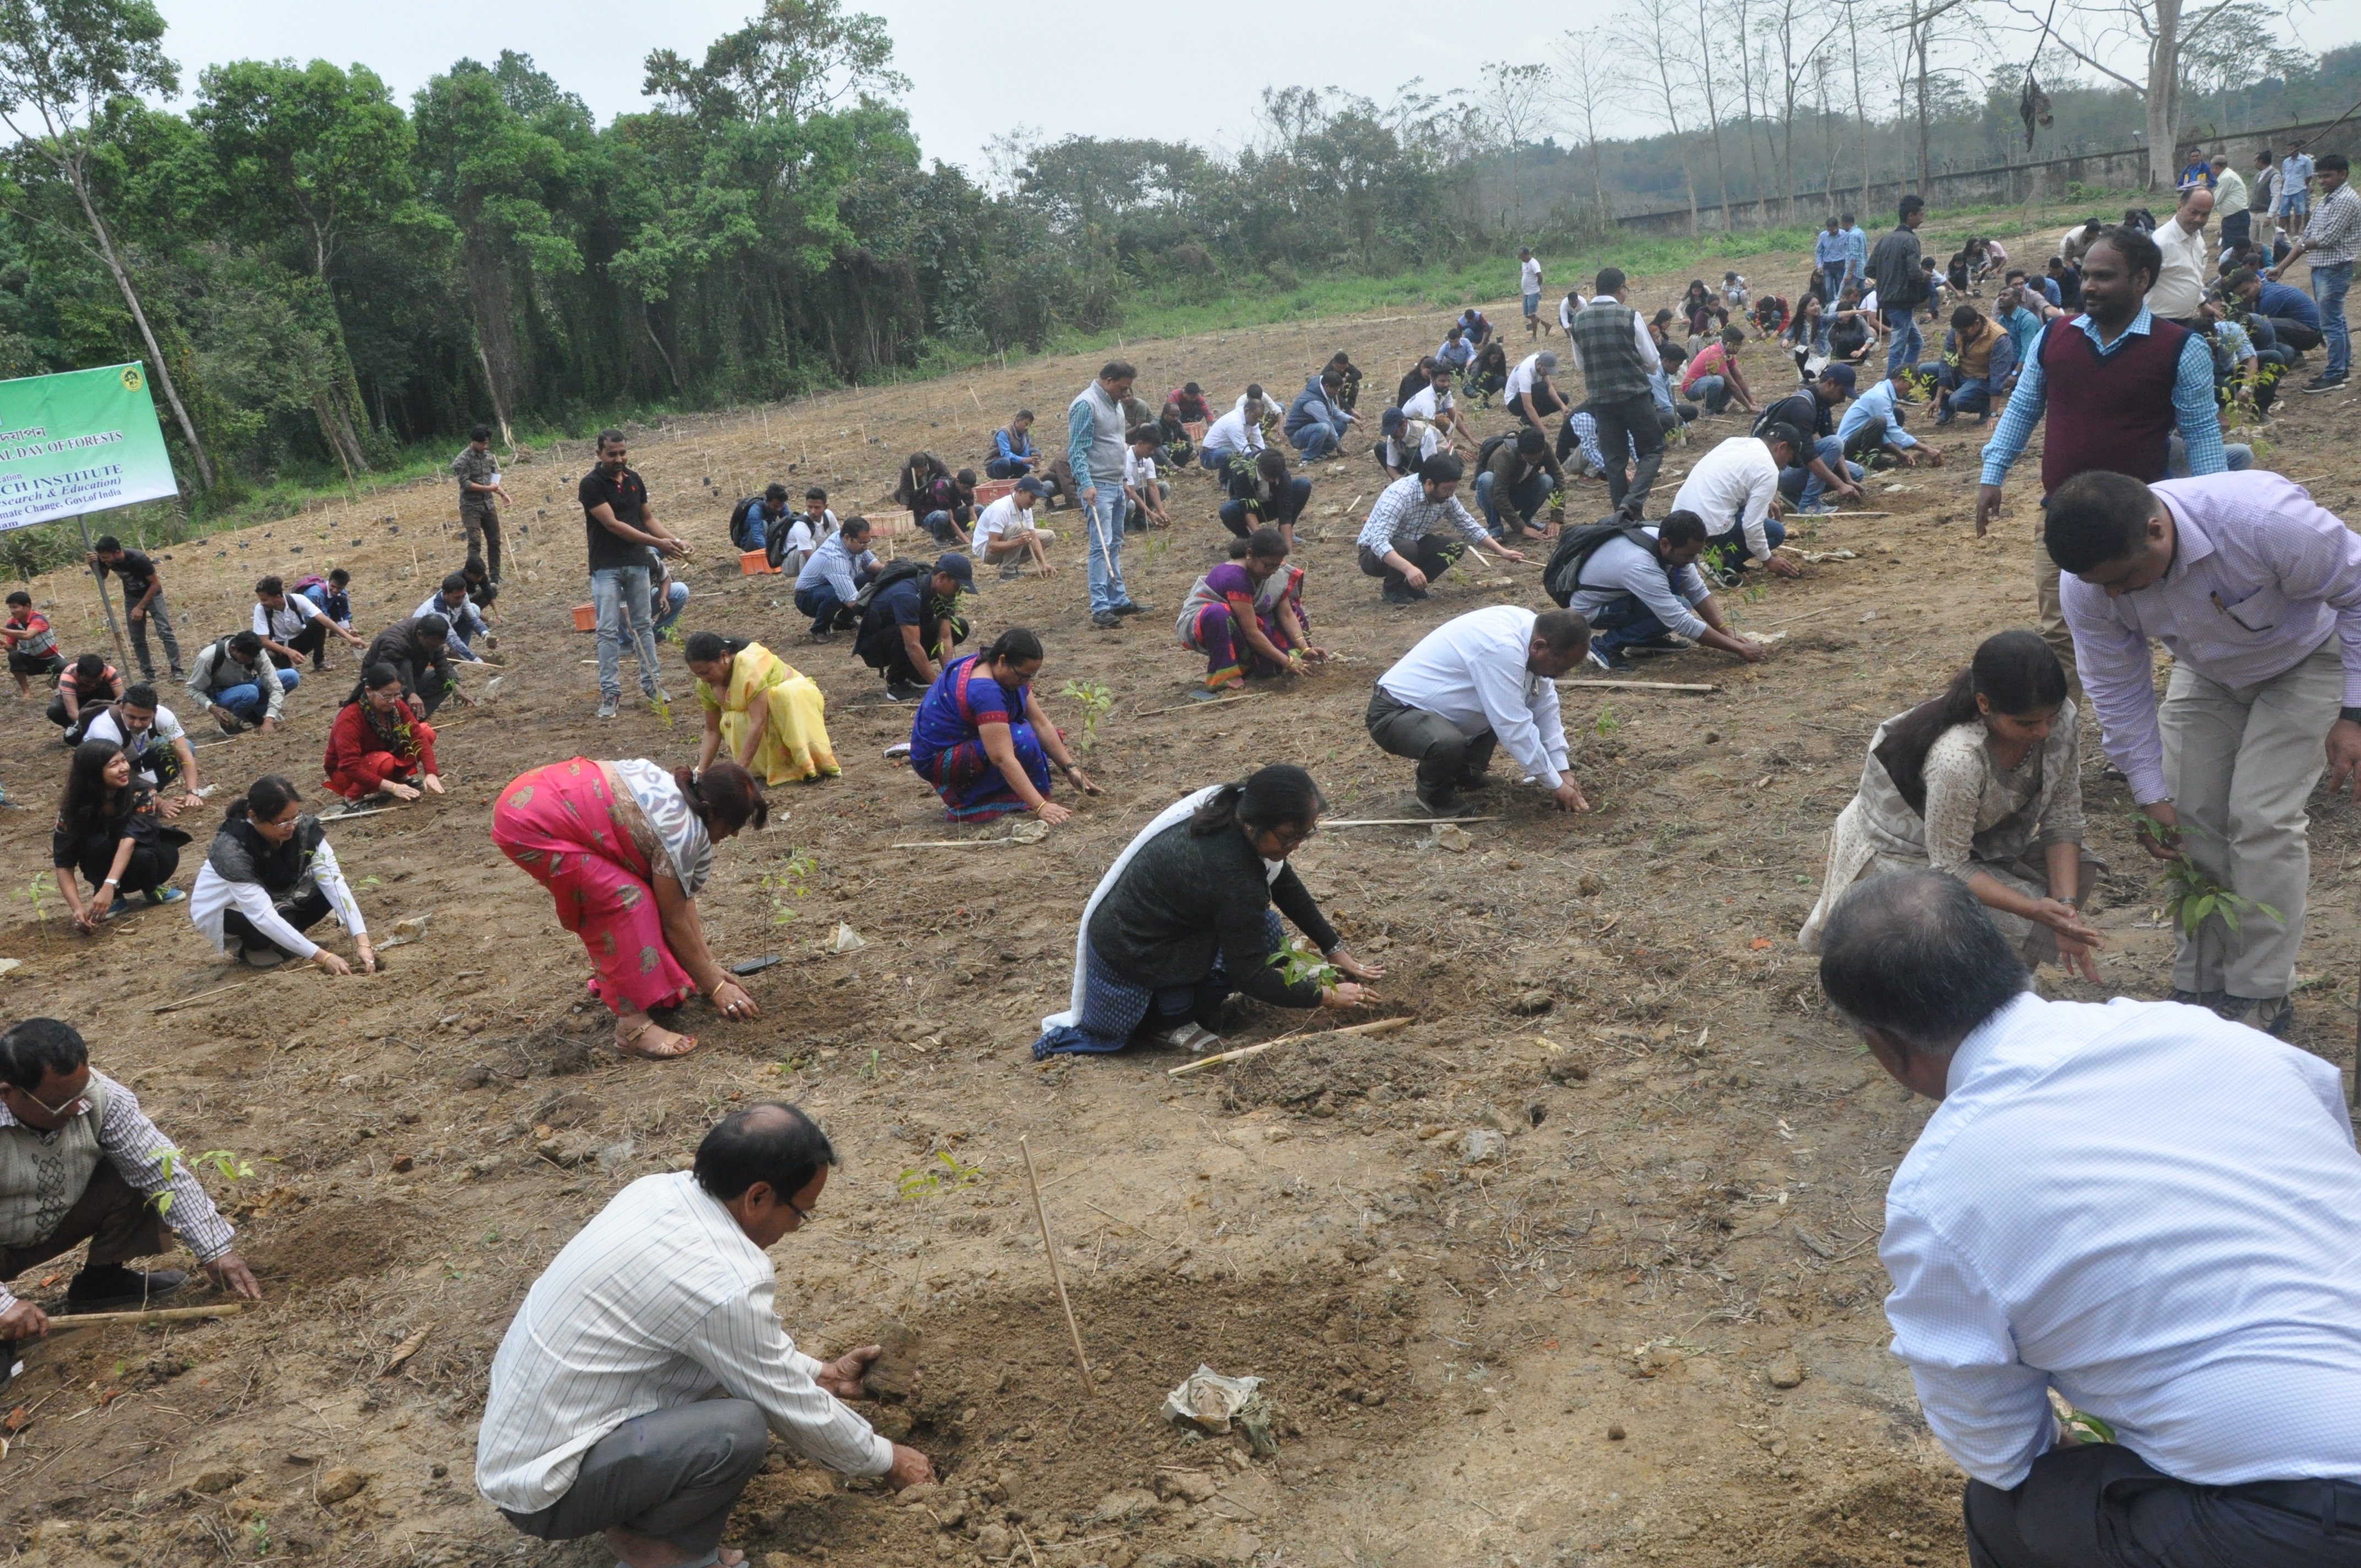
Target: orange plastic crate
(586, 618)
(752, 563)
(990, 491)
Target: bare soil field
(1650, 1332)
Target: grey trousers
(154, 614)
(673, 1474)
(1443, 755)
(2240, 761)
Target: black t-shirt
(1804, 411)
(627, 494)
(135, 572)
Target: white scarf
(1178, 811)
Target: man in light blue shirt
(1095, 448)
(1856, 252)
(1872, 424)
(2295, 189)
(1832, 254)
(2092, 1209)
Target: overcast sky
(974, 72)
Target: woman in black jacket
(1185, 916)
(110, 830)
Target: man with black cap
(1819, 465)
(913, 623)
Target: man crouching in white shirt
(1485, 680)
(599, 1418)
(2143, 1207)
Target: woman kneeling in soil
(378, 745)
(1984, 784)
(623, 849)
(1184, 917)
(765, 713)
(1246, 614)
(269, 878)
(982, 742)
(113, 832)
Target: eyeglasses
(67, 1112)
(801, 1214)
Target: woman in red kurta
(378, 744)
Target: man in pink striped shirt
(2257, 591)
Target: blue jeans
(820, 602)
(1905, 344)
(1958, 395)
(1103, 519)
(675, 600)
(2237, 456)
(1315, 440)
(1625, 623)
(620, 596)
(1731, 546)
(1007, 467)
(2329, 281)
(1218, 458)
(248, 701)
(1524, 499)
(1713, 391)
(1800, 481)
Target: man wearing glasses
(79, 1162)
(598, 1420)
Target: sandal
(1193, 1038)
(630, 1045)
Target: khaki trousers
(2240, 762)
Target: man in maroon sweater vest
(2122, 383)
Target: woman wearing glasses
(1185, 916)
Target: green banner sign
(82, 442)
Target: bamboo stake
(1404, 821)
(155, 1315)
(200, 996)
(1049, 1246)
(1382, 1027)
(1644, 685)
(957, 844)
(1193, 705)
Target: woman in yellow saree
(759, 710)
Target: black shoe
(1105, 619)
(903, 691)
(2272, 1016)
(1473, 780)
(110, 1287)
(2323, 382)
(1609, 658)
(1438, 802)
(1128, 608)
(2216, 1001)
(1402, 593)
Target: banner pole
(98, 581)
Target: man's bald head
(773, 1141)
(1913, 956)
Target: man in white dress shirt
(598, 1419)
(1486, 679)
(2146, 1208)
(1735, 488)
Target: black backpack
(1491, 444)
(897, 571)
(738, 535)
(1575, 546)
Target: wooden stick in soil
(156, 1315)
(1644, 685)
(1404, 821)
(1382, 1027)
(1058, 1275)
(1193, 705)
(201, 996)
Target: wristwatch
(2349, 715)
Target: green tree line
(327, 279)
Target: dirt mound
(1314, 1077)
(329, 1242)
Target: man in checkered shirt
(2332, 239)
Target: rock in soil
(1786, 1372)
(339, 1484)
(895, 1372)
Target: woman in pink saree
(623, 849)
